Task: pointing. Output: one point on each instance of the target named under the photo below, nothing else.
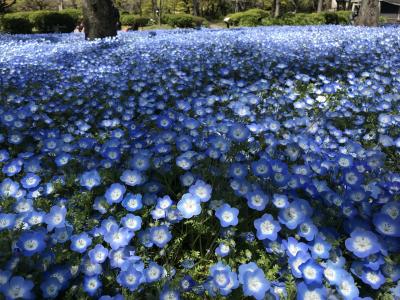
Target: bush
(49, 21)
(76, 14)
(134, 21)
(184, 21)
(16, 23)
(344, 17)
(251, 17)
(331, 18)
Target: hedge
(251, 17)
(184, 21)
(340, 17)
(134, 21)
(16, 23)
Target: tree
(368, 14)
(100, 18)
(4, 5)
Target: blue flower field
(257, 163)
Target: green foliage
(340, 17)
(76, 14)
(251, 17)
(16, 23)
(184, 21)
(134, 21)
(50, 21)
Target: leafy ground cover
(195, 164)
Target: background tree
(368, 14)
(100, 18)
(4, 5)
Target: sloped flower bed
(257, 162)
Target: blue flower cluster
(259, 162)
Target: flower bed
(260, 162)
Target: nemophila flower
(257, 200)
(132, 202)
(80, 242)
(132, 177)
(352, 178)
(267, 227)
(140, 162)
(12, 168)
(292, 215)
(184, 162)
(307, 230)
(51, 288)
(187, 179)
(7, 221)
(55, 218)
(222, 250)
(115, 193)
(5, 276)
(8, 188)
(31, 242)
(130, 278)
(333, 273)
(320, 248)
(238, 170)
(311, 291)
(18, 288)
(90, 179)
(62, 159)
(374, 279)
(201, 190)
(187, 283)
(227, 215)
(261, 168)
(221, 278)
(238, 133)
(98, 254)
(160, 235)
(347, 288)
(153, 272)
(255, 284)
(296, 260)
(169, 294)
(132, 222)
(362, 243)
(386, 225)
(280, 201)
(91, 285)
(189, 205)
(164, 202)
(30, 181)
(312, 272)
(292, 246)
(118, 237)
(158, 213)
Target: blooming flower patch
(196, 164)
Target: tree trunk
(368, 14)
(320, 5)
(277, 8)
(196, 7)
(100, 19)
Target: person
(226, 20)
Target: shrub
(16, 23)
(184, 21)
(344, 17)
(76, 14)
(331, 18)
(134, 21)
(251, 17)
(49, 21)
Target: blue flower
(51, 288)
(31, 242)
(362, 243)
(169, 294)
(55, 218)
(386, 225)
(312, 272)
(201, 190)
(267, 227)
(7, 221)
(98, 254)
(227, 215)
(80, 242)
(320, 248)
(130, 278)
(160, 235)
(153, 272)
(18, 288)
(115, 193)
(239, 133)
(257, 200)
(90, 179)
(189, 206)
(131, 177)
(347, 288)
(132, 202)
(8, 188)
(118, 237)
(91, 285)
(132, 222)
(222, 250)
(313, 291)
(374, 279)
(255, 284)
